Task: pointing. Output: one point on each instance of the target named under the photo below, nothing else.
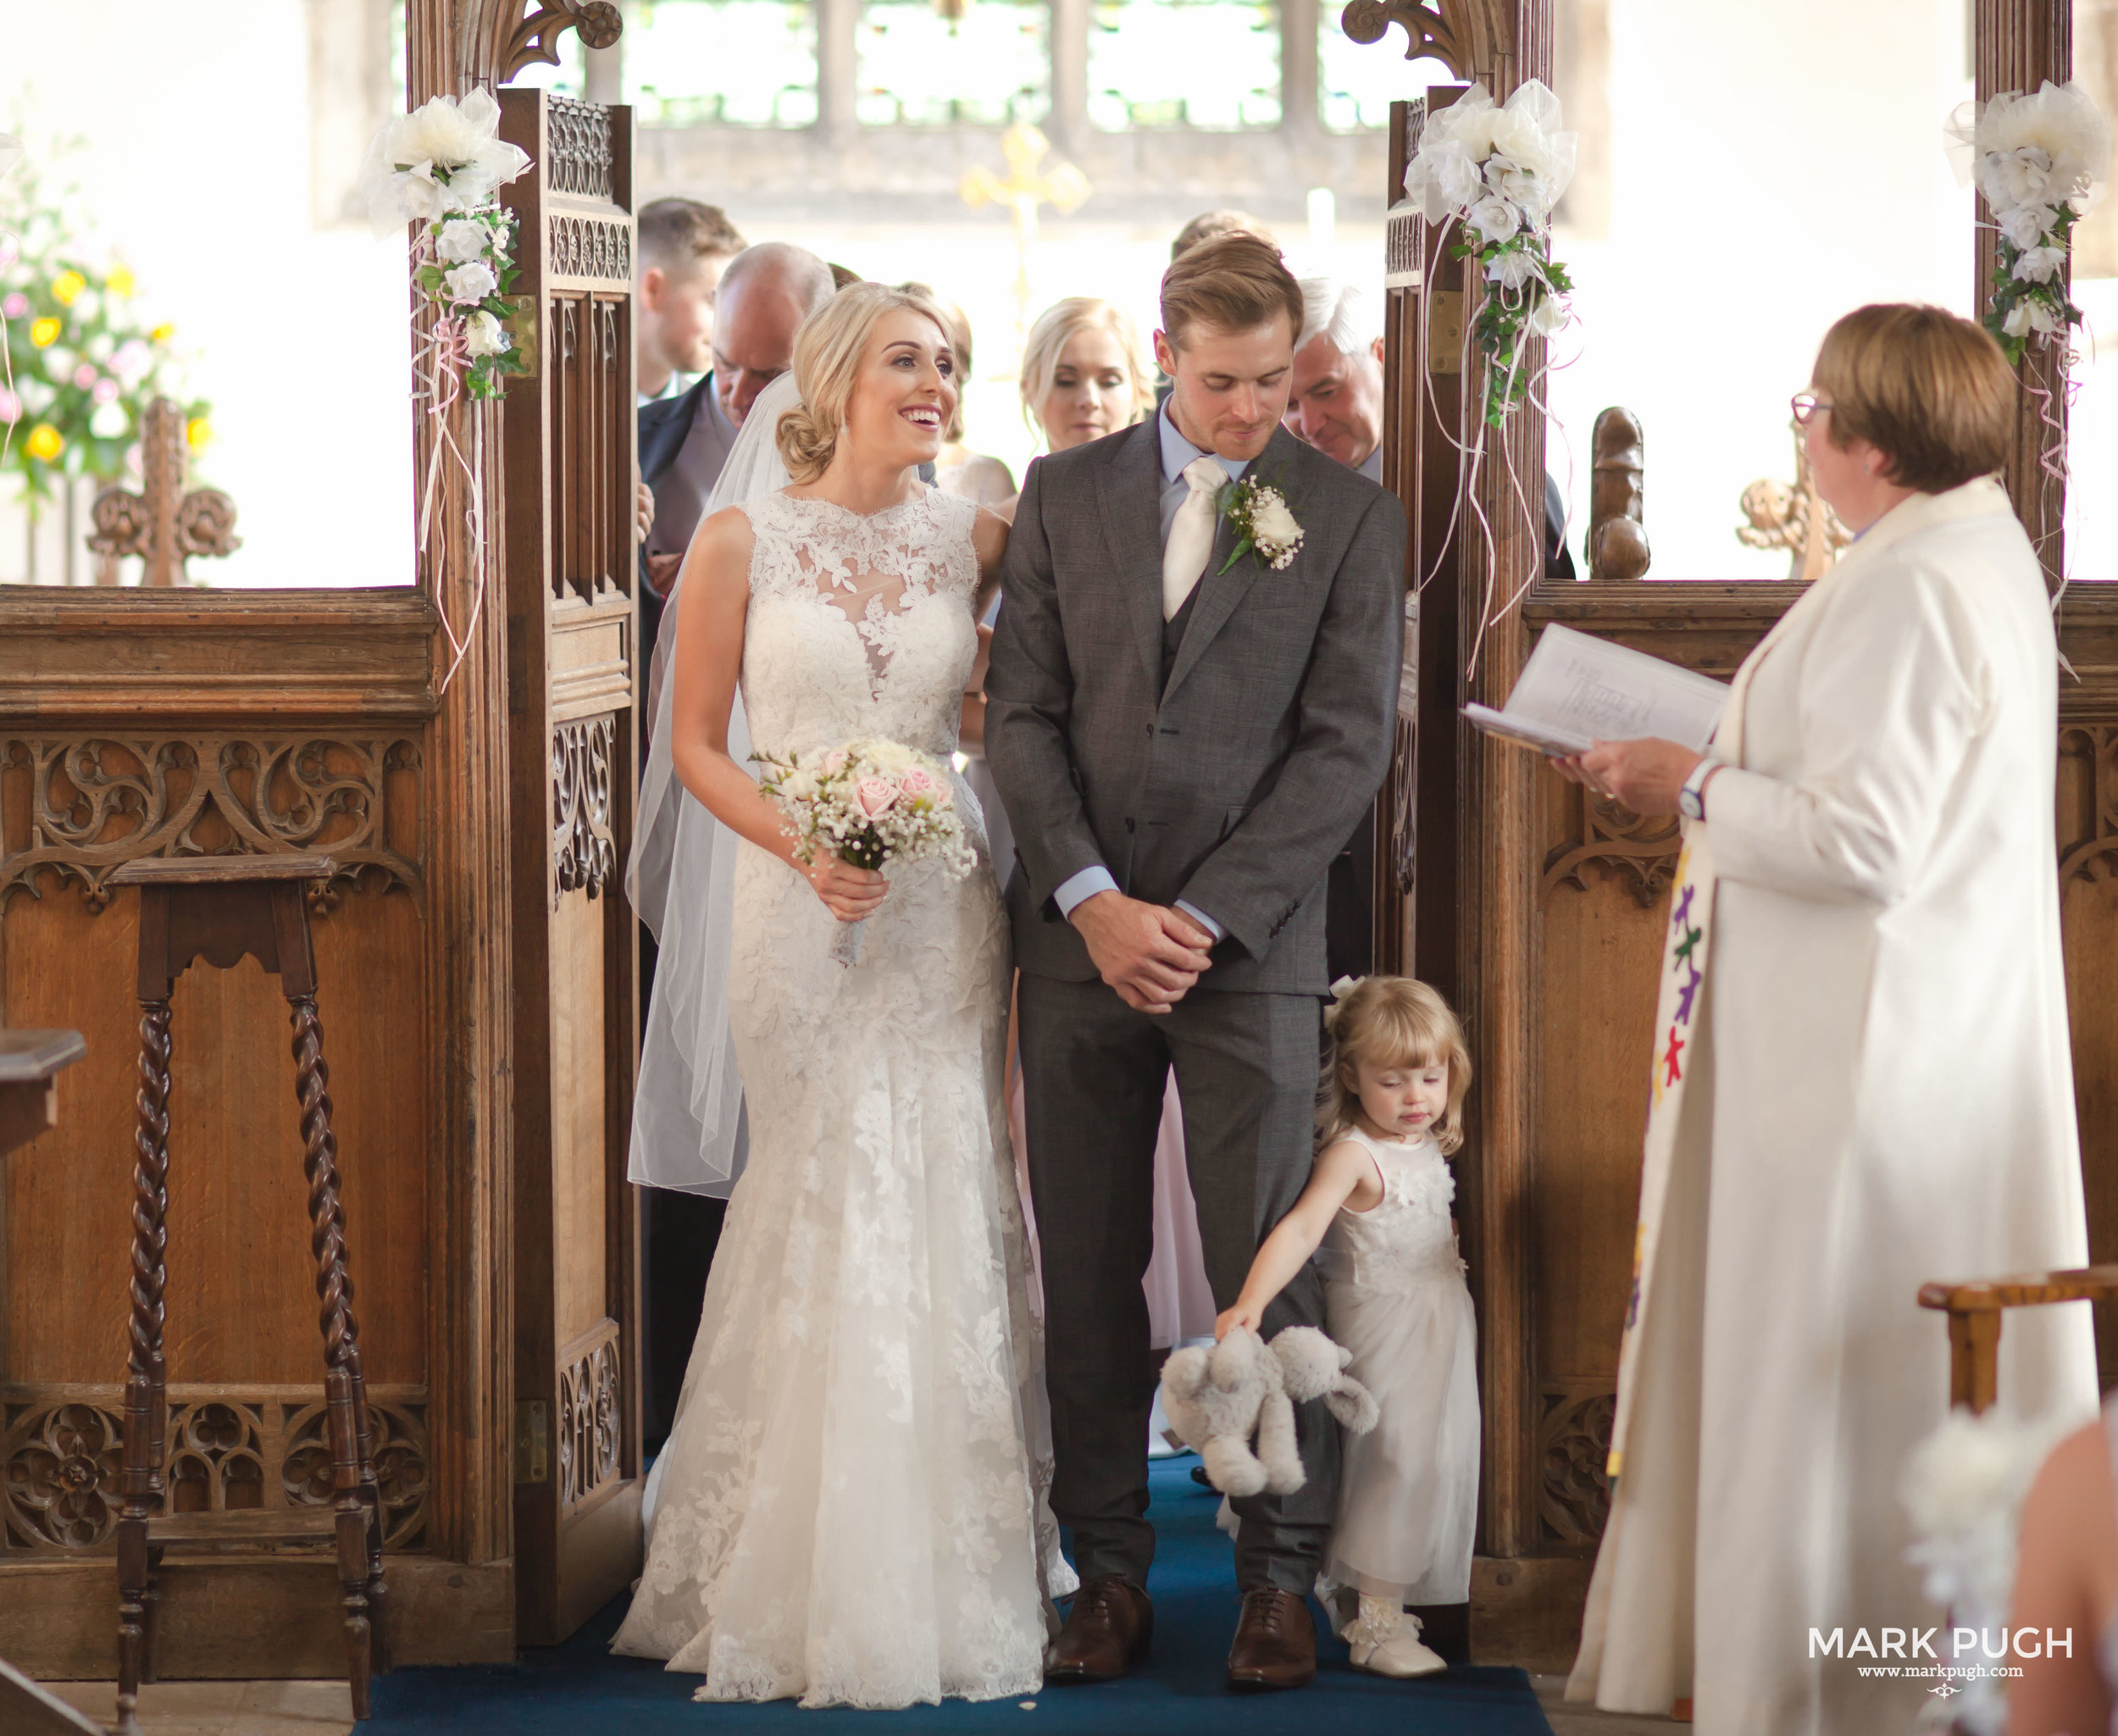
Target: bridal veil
(689, 1132)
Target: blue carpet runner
(579, 1689)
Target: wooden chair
(217, 908)
(1974, 1312)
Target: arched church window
(1210, 63)
(735, 63)
(942, 63)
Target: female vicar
(1870, 1089)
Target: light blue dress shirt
(1177, 452)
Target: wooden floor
(1586, 1721)
(222, 1708)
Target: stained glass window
(933, 63)
(1210, 63)
(744, 63)
(1361, 81)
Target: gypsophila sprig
(2040, 162)
(869, 802)
(1498, 169)
(1259, 515)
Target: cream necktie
(1190, 534)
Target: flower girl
(1376, 1214)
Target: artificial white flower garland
(439, 167)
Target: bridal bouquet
(2040, 161)
(1497, 170)
(869, 802)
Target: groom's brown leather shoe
(1275, 1643)
(1107, 1632)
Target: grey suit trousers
(1093, 1072)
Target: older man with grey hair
(1336, 395)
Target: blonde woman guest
(849, 1514)
(1879, 1092)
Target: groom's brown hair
(1235, 282)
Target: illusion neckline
(818, 500)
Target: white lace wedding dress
(851, 1510)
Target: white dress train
(852, 1506)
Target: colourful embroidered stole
(1679, 1006)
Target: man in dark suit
(1184, 738)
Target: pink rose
(876, 795)
(835, 762)
(917, 782)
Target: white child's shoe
(1385, 1642)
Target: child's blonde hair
(1390, 1021)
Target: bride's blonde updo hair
(827, 361)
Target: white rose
(798, 785)
(485, 336)
(470, 283)
(461, 241)
(109, 422)
(1512, 268)
(448, 130)
(1495, 219)
(2027, 226)
(2040, 264)
(2019, 177)
(890, 757)
(1271, 521)
(1547, 316)
(2027, 317)
(1444, 178)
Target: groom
(1184, 738)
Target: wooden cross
(1023, 190)
(162, 523)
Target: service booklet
(1577, 689)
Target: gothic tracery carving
(94, 802)
(581, 147)
(583, 850)
(1438, 31)
(586, 246)
(1573, 1444)
(1644, 849)
(228, 1451)
(589, 1423)
(2088, 802)
(541, 23)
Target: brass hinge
(532, 1442)
(523, 323)
(1444, 333)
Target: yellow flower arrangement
(43, 331)
(45, 442)
(67, 286)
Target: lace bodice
(1406, 1238)
(859, 626)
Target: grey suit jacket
(1234, 787)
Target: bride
(848, 1510)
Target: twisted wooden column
(145, 1415)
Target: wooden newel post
(2019, 44)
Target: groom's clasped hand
(1150, 953)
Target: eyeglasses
(1805, 405)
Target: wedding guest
(764, 294)
(1337, 392)
(1376, 1216)
(684, 245)
(969, 475)
(1869, 1083)
(1208, 224)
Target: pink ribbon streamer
(439, 360)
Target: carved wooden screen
(572, 744)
